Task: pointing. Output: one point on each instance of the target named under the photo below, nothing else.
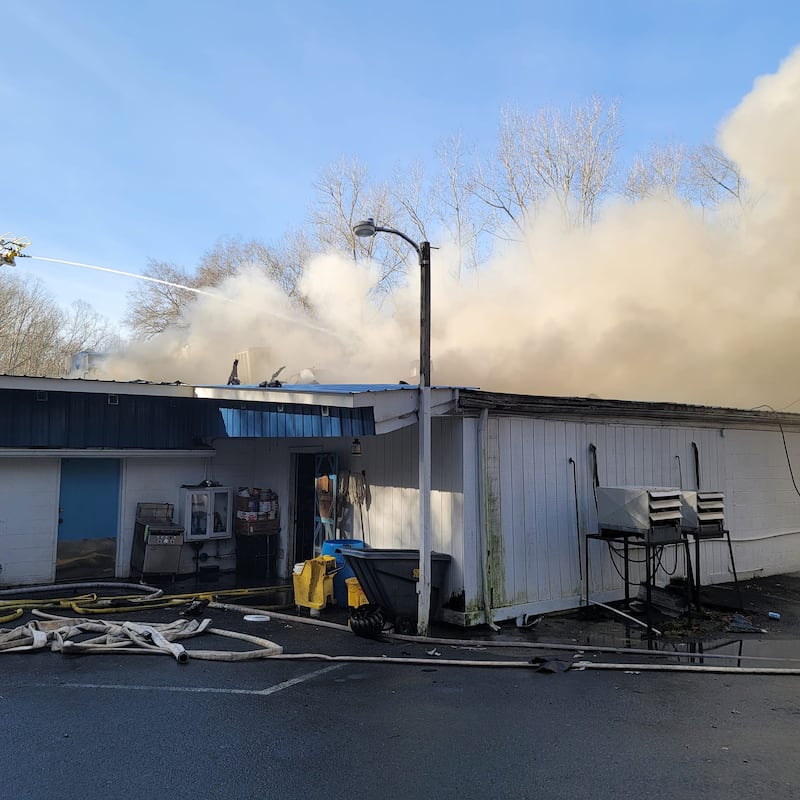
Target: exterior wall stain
(494, 543)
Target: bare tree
(84, 329)
(343, 197)
(412, 197)
(341, 200)
(153, 307)
(296, 250)
(29, 324)
(37, 337)
(546, 155)
(455, 206)
(596, 135)
(702, 176)
(663, 170)
(716, 176)
(230, 256)
(508, 183)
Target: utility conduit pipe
(578, 665)
(488, 643)
(579, 648)
(283, 617)
(443, 662)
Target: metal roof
(598, 408)
(88, 412)
(314, 388)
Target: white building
(513, 479)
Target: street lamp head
(365, 228)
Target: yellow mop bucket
(355, 594)
(313, 582)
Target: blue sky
(152, 129)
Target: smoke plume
(658, 301)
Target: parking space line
(293, 681)
(133, 687)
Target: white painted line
(293, 681)
(278, 687)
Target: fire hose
(60, 634)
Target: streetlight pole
(367, 228)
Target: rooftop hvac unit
(704, 514)
(651, 513)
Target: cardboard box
(244, 503)
(258, 528)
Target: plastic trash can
(334, 547)
(389, 579)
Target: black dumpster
(389, 579)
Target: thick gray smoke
(659, 301)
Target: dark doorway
(304, 507)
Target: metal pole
(424, 584)
(425, 314)
(365, 228)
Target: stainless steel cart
(157, 540)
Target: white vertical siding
(535, 537)
(539, 560)
(391, 463)
(468, 557)
(762, 502)
(28, 520)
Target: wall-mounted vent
(41, 397)
(113, 399)
(326, 412)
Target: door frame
(119, 557)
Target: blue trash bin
(334, 547)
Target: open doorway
(315, 499)
(304, 507)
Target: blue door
(88, 515)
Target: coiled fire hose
(60, 634)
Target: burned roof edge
(550, 406)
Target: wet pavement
(367, 726)
(732, 628)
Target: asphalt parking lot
(143, 726)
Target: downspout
(483, 505)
